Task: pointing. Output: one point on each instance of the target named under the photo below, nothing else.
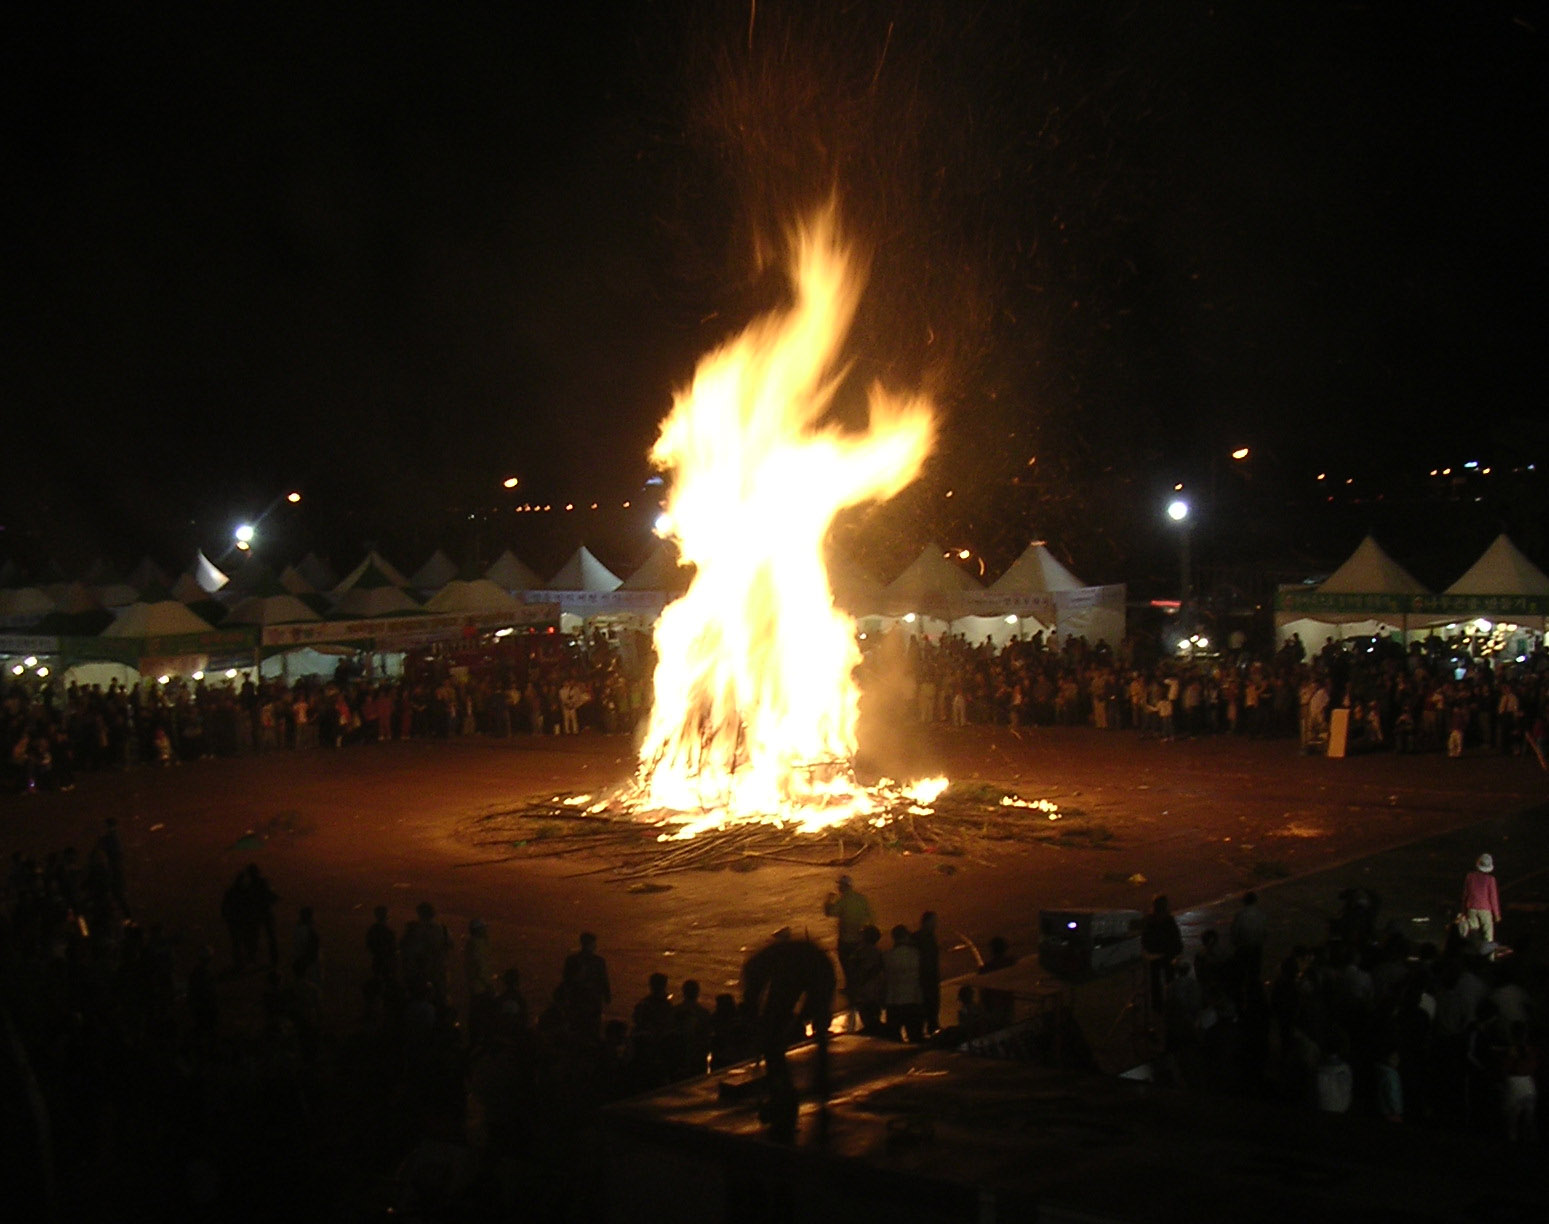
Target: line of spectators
(1367, 1022)
(1427, 697)
(52, 734)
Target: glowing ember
(1051, 810)
(755, 704)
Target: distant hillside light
(293, 498)
(510, 482)
(1240, 453)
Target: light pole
(1178, 512)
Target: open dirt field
(396, 824)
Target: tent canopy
(374, 571)
(927, 585)
(510, 574)
(1369, 570)
(1503, 569)
(661, 571)
(1036, 571)
(438, 570)
(583, 572)
(479, 595)
(164, 618)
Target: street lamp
(1178, 512)
(244, 536)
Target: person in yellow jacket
(852, 913)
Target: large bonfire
(755, 704)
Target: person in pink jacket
(1482, 899)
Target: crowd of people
(1426, 697)
(1367, 1022)
(221, 1080)
(1422, 698)
(54, 733)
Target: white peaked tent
(509, 574)
(1036, 572)
(164, 618)
(928, 587)
(1503, 585)
(1369, 570)
(438, 570)
(317, 572)
(477, 596)
(1356, 600)
(186, 589)
(269, 603)
(116, 594)
(661, 571)
(583, 572)
(73, 598)
(371, 591)
(148, 573)
(294, 581)
(207, 574)
(1503, 569)
(281, 609)
(22, 606)
(373, 564)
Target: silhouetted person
(788, 985)
(1162, 943)
(382, 946)
(997, 1007)
(585, 978)
(930, 970)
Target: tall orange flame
(755, 702)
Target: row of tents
(1503, 590)
(151, 620)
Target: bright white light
(909, 618)
(963, 554)
(506, 632)
(42, 671)
(1011, 620)
(1482, 625)
(1240, 453)
(30, 661)
(1178, 510)
(293, 498)
(198, 675)
(17, 670)
(663, 525)
(244, 533)
(510, 482)
(163, 679)
(1203, 643)
(231, 673)
(1471, 464)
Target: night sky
(390, 256)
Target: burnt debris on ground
(968, 821)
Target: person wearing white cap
(1482, 899)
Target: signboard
(397, 632)
(25, 644)
(1499, 607)
(603, 603)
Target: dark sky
(389, 257)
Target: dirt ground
(344, 831)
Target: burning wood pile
(970, 822)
